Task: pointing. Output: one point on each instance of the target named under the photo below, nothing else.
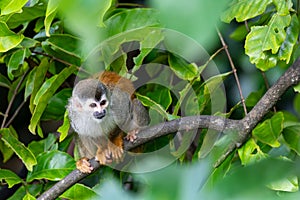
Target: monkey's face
(90, 100)
(98, 108)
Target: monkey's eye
(103, 102)
(93, 105)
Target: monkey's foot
(115, 152)
(84, 166)
(131, 135)
(103, 157)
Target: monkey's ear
(76, 103)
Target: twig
(266, 84)
(247, 26)
(52, 57)
(289, 78)
(12, 99)
(234, 70)
(15, 114)
(244, 127)
(61, 61)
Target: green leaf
(9, 177)
(264, 41)
(283, 7)
(146, 101)
(208, 143)
(44, 94)
(28, 14)
(52, 165)
(66, 43)
(297, 88)
(183, 69)
(30, 83)
(287, 47)
(51, 11)
(6, 151)
(57, 105)
(94, 13)
(15, 61)
(150, 41)
(59, 54)
(47, 144)
(148, 37)
(4, 82)
(161, 95)
(36, 81)
(297, 103)
(80, 191)
(18, 147)
(243, 10)
(291, 135)
(185, 15)
(8, 39)
(32, 189)
(127, 20)
(269, 131)
(29, 43)
(289, 184)
(64, 128)
(254, 97)
(28, 196)
(11, 6)
(19, 193)
(213, 83)
(250, 152)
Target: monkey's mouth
(99, 115)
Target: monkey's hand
(131, 135)
(84, 166)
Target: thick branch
(145, 135)
(244, 127)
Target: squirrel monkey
(102, 112)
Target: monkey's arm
(89, 147)
(140, 119)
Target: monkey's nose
(99, 115)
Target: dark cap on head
(89, 88)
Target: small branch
(289, 78)
(12, 99)
(62, 61)
(243, 126)
(234, 70)
(52, 57)
(15, 114)
(266, 84)
(247, 26)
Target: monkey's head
(90, 98)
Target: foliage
(45, 46)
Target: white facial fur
(84, 118)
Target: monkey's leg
(103, 155)
(115, 147)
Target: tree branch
(243, 126)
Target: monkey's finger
(132, 135)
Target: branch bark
(243, 127)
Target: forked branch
(243, 127)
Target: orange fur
(112, 79)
